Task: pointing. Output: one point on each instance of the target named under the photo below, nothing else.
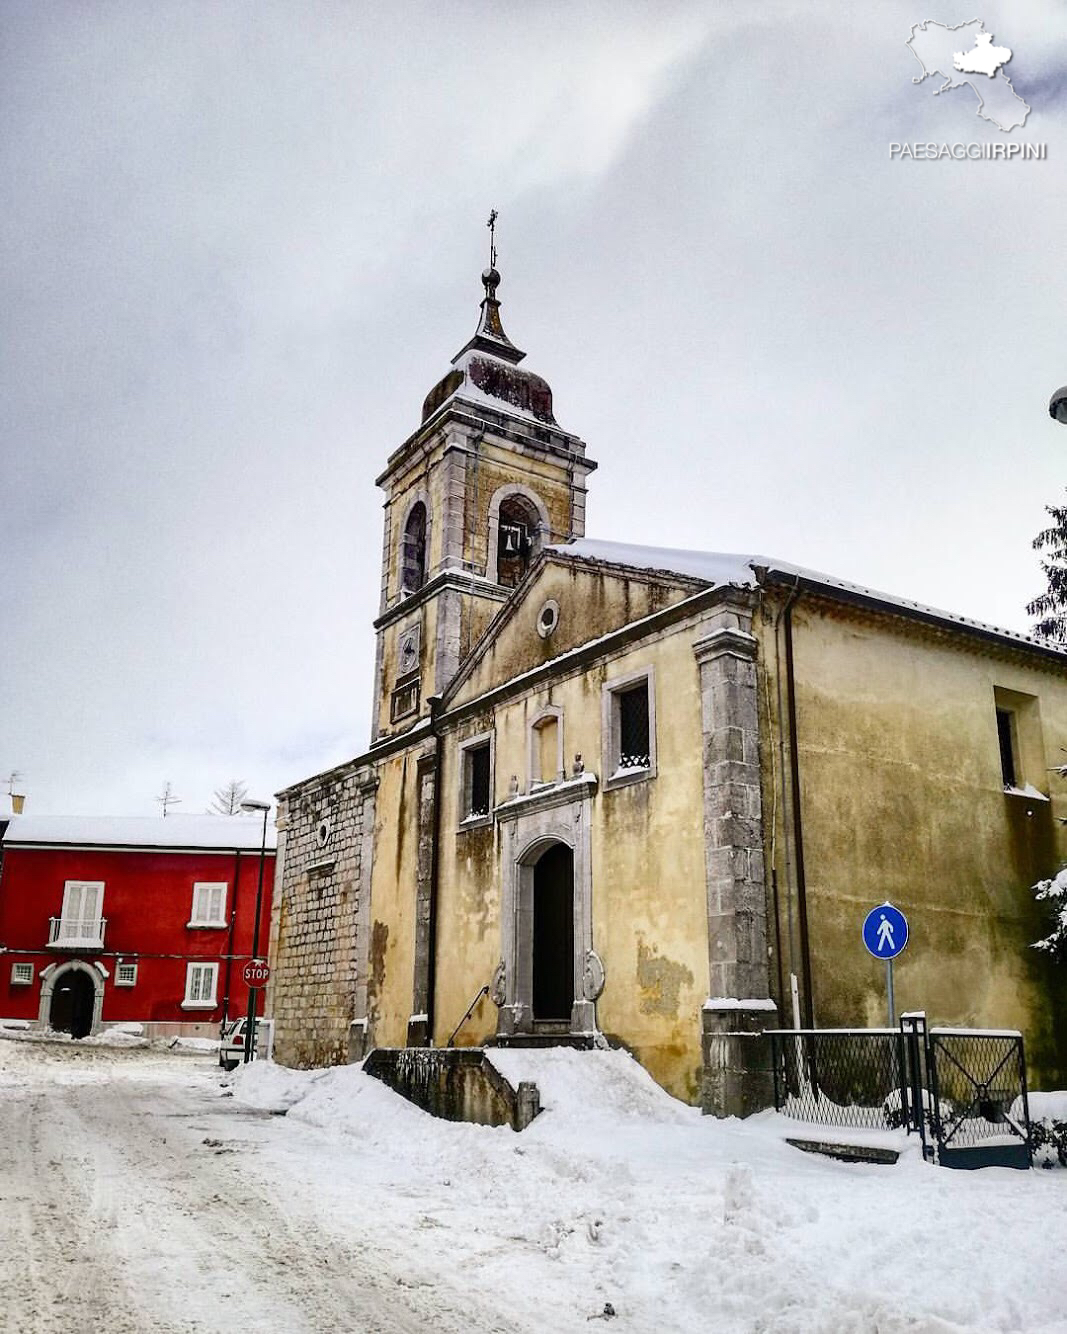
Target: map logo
(965, 57)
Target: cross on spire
(491, 224)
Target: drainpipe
(798, 828)
(431, 926)
(229, 947)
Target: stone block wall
(317, 994)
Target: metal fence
(840, 1077)
(962, 1090)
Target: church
(641, 797)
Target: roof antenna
(491, 224)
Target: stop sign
(256, 973)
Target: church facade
(646, 797)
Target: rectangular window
(476, 779)
(633, 727)
(125, 974)
(404, 700)
(209, 904)
(21, 974)
(1020, 742)
(201, 981)
(1006, 737)
(478, 761)
(629, 725)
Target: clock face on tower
(407, 654)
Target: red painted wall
(148, 901)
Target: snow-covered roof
(713, 567)
(721, 568)
(142, 831)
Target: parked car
(232, 1041)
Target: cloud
(241, 245)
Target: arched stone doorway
(72, 997)
(553, 935)
(549, 976)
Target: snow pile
(1048, 1106)
(116, 1035)
(273, 1088)
(194, 1044)
(619, 1195)
(624, 1090)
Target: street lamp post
(253, 992)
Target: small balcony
(76, 933)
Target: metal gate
(962, 1090)
(978, 1095)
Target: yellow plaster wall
(592, 603)
(903, 799)
(468, 915)
(648, 896)
(391, 951)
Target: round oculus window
(548, 618)
(325, 829)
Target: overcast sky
(241, 241)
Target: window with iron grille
(21, 974)
(125, 974)
(629, 729)
(476, 791)
(633, 727)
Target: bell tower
(470, 497)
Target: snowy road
(138, 1194)
(135, 1198)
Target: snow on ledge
(733, 1003)
(975, 1032)
(1028, 791)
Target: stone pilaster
(738, 970)
(737, 1078)
(418, 1024)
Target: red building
(111, 920)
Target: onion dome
(485, 370)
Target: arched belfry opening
(518, 535)
(553, 935)
(413, 555)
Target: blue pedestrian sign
(885, 931)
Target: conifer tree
(1054, 892)
(1051, 606)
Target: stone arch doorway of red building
(73, 998)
